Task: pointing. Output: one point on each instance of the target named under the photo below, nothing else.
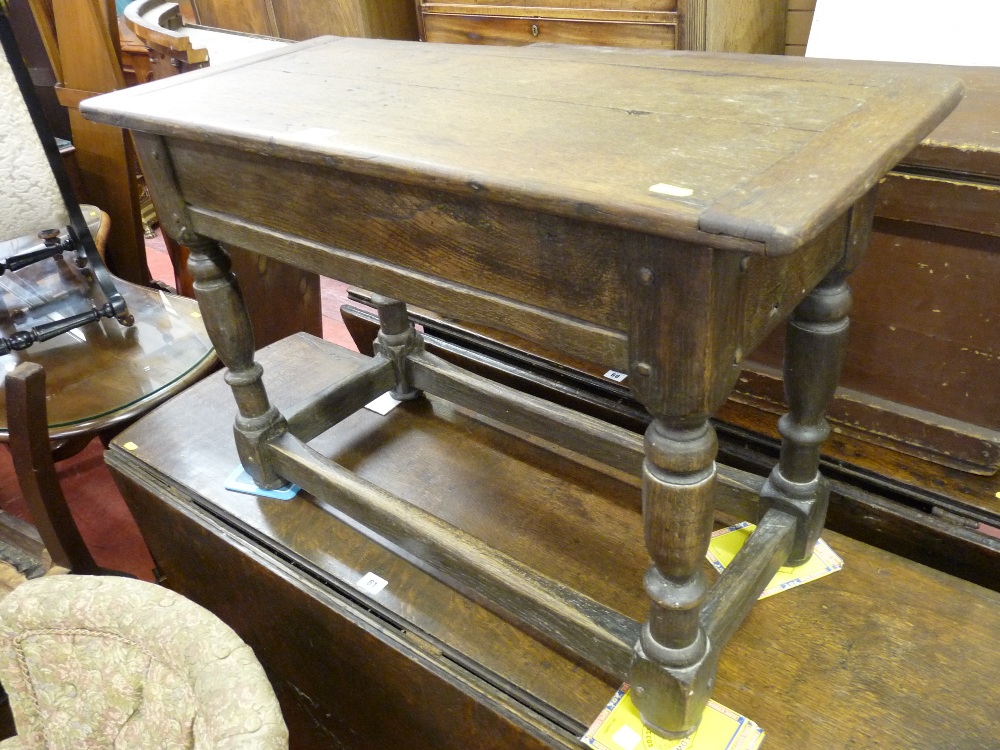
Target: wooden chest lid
(968, 141)
(751, 152)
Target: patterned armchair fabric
(93, 663)
(30, 196)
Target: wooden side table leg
(397, 338)
(229, 328)
(683, 361)
(674, 665)
(226, 318)
(814, 351)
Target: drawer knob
(534, 29)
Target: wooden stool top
(753, 152)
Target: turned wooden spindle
(815, 343)
(228, 326)
(672, 667)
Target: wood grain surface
(552, 128)
(497, 29)
(295, 19)
(737, 26)
(962, 143)
(885, 652)
(88, 51)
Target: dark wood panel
(298, 19)
(281, 299)
(250, 16)
(376, 19)
(589, 341)
(740, 26)
(304, 20)
(923, 327)
(470, 242)
(943, 201)
(966, 142)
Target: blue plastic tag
(240, 481)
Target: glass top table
(101, 374)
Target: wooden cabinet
(483, 29)
(305, 19)
(714, 25)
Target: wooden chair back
(27, 424)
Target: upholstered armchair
(101, 662)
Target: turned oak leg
(683, 361)
(815, 343)
(229, 328)
(397, 338)
(674, 667)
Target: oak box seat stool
(658, 213)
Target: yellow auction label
(727, 542)
(619, 728)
